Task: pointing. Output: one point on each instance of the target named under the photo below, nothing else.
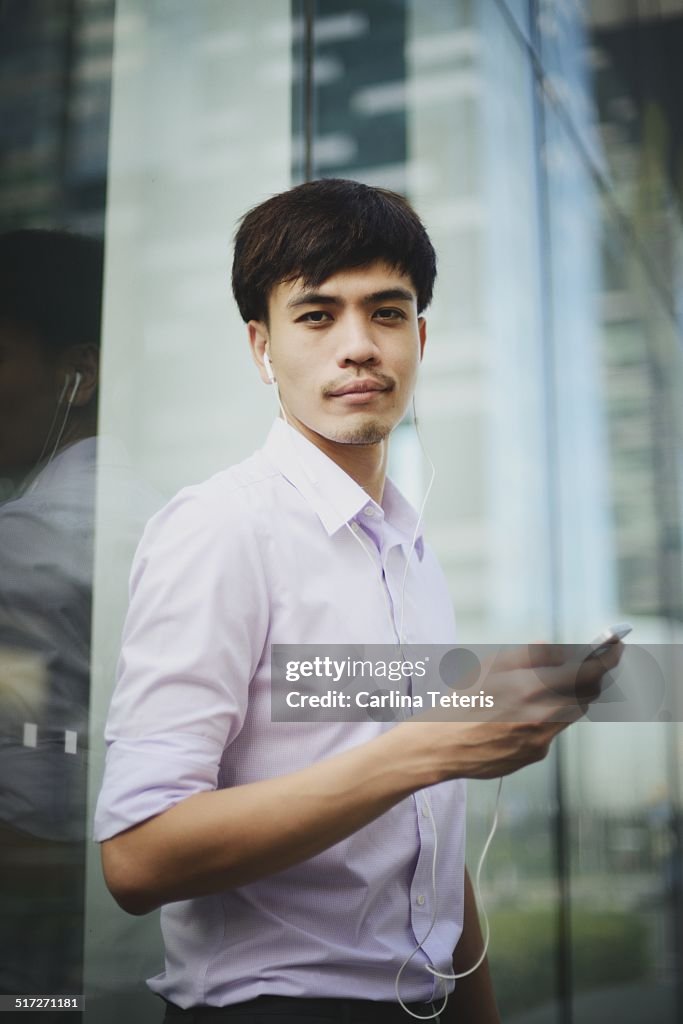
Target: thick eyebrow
(320, 299)
(390, 295)
(313, 299)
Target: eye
(316, 316)
(388, 313)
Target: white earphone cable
(77, 383)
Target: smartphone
(604, 641)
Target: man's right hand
(537, 692)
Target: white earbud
(269, 368)
(74, 391)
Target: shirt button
(420, 900)
(425, 811)
(369, 510)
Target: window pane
(199, 135)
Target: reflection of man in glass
(50, 300)
(294, 860)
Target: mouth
(360, 390)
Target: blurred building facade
(542, 143)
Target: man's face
(345, 354)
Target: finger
(608, 655)
(580, 681)
(533, 655)
(567, 686)
(526, 695)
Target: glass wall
(540, 141)
(613, 205)
(55, 61)
(201, 131)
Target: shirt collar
(333, 495)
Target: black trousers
(287, 1010)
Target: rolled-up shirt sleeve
(195, 632)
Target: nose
(356, 344)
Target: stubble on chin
(364, 433)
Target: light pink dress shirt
(258, 555)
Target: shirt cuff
(145, 777)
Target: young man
(294, 861)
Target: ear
(83, 359)
(258, 340)
(422, 330)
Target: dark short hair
(317, 229)
(51, 283)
